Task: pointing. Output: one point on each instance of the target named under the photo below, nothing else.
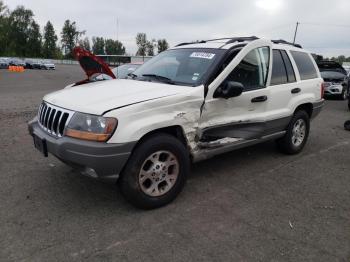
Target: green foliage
(21, 25)
(70, 37)
(98, 45)
(146, 47)
(20, 36)
(34, 40)
(3, 27)
(340, 59)
(162, 45)
(49, 48)
(114, 47)
(85, 43)
(141, 42)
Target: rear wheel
(297, 133)
(156, 172)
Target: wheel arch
(307, 107)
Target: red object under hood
(91, 64)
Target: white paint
(142, 107)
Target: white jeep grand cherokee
(187, 104)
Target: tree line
(20, 35)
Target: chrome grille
(53, 119)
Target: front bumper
(96, 159)
(333, 90)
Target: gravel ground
(253, 204)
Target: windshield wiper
(160, 78)
(132, 75)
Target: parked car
(187, 104)
(47, 65)
(4, 64)
(123, 71)
(29, 64)
(335, 77)
(120, 72)
(348, 91)
(16, 62)
(37, 64)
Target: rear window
(305, 66)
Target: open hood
(91, 64)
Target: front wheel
(297, 133)
(344, 94)
(347, 125)
(156, 172)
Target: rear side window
(289, 67)
(305, 66)
(279, 75)
(282, 69)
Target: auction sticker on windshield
(202, 55)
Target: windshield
(179, 66)
(122, 71)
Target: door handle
(295, 90)
(259, 99)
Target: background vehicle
(47, 65)
(335, 77)
(4, 63)
(16, 62)
(29, 64)
(188, 103)
(37, 64)
(122, 71)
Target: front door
(241, 117)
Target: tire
(344, 94)
(294, 141)
(156, 172)
(347, 125)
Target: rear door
(283, 87)
(242, 117)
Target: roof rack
(230, 40)
(281, 41)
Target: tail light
(323, 85)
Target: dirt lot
(250, 205)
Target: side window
(252, 71)
(305, 66)
(279, 75)
(289, 67)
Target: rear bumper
(95, 159)
(317, 107)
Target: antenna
(295, 33)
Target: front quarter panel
(137, 120)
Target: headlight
(91, 127)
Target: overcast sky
(325, 24)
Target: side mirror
(229, 89)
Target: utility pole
(295, 33)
